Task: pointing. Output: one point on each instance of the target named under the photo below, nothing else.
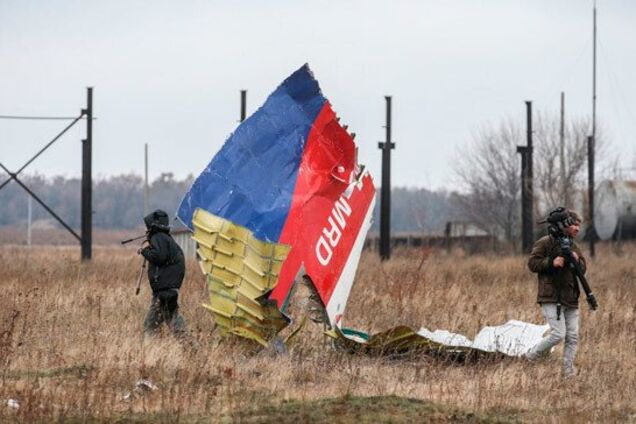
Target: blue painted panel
(251, 180)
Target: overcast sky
(169, 73)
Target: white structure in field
(615, 209)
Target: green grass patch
(353, 409)
(345, 410)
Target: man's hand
(575, 256)
(559, 262)
(144, 245)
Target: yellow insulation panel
(240, 270)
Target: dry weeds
(71, 344)
(16, 236)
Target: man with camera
(559, 264)
(166, 269)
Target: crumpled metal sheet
(284, 197)
(289, 175)
(514, 338)
(252, 179)
(240, 272)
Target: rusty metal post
(527, 207)
(525, 242)
(87, 180)
(385, 197)
(243, 104)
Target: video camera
(145, 236)
(558, 220)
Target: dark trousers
(165, 308)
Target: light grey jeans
(566, 328)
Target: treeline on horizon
(118, 203)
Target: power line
(616, 88)
(568, 70)
(41, 118)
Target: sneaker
(538, 356)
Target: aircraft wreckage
(285, 199)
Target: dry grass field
(17, 236)
(71, 347)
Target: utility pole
(385, 200)
(526, 185)
(243, 104)
(594, 78)
(146, 187)
(590, 190)
(29, 219)
(87, 179)
(565, 196)
(591, 141)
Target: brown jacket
(543, 253)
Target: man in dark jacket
(166, 269)
(558, 285)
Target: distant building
(183, 236)
(466, 235)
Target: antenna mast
(594, 79)
(591, 142)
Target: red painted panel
(323, 223)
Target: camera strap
(559, 289)
(558, 305)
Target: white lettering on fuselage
(336, 223)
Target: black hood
(158, 220)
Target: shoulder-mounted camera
(558, 220)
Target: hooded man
(166, 269)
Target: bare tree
(556, 178)
(489, 171)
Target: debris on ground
(142, 386)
